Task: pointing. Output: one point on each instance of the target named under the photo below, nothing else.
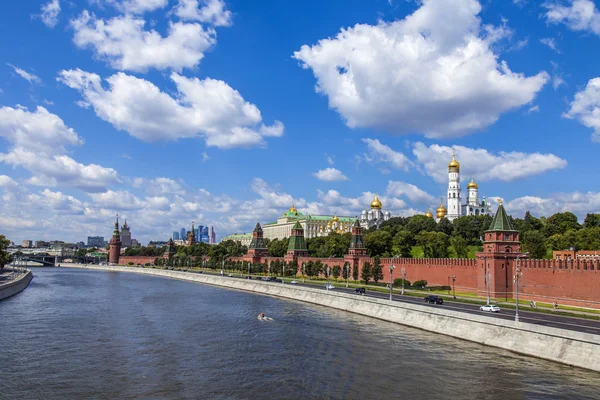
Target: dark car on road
(434, 300)
(360, 290)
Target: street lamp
(453, 286)
(327, 275)
(283, 273)
(302, 272)
(392, 267)
(517, 272)
(347, 272)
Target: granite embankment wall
(13, 287)
(564, 346)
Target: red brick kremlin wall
(143, 260)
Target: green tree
(336, 271)
(402, 244)
(318, 268)
(460, 246)
(420, 223)
(346, 271)
(355, 272)
(435, 244)
(469, 227)
(277, 247)
(5, 257)
(445, 226)
(378, 243)
(591, 220)
(587, 238)
(366, 272)
(560, 223)
(534, 243)
(377, 270)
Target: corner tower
(191, 236)
(115, 245)
(454, 201)
(258, 247)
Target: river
(77, 334)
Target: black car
(248, 277)
(434, 300)
(360, 290)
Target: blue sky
(226, 112)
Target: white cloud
(137, 6)
(330, 175)
(557, 81)
(410, 191)
(381, 153)
(585, 107)
(7, 181)
(580, 15)
(205, 157)
(578, 203)
(551, 43)
(213, 12)
(208, 108)
(330, 160)
(29, 77)
(159, 186)
(50, 12)
(503, 166)
(533, 109)
(433, 72)
(39, 130)
(56, 170)
(57, 201)
(117, 200)
(125, 45)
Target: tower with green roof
(497, 261)
(297, 243)
(258, 247)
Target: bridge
(25, 259)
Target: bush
(147, 264)
(421, 284)
(130, 263)
(398, 282)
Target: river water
(77, 334)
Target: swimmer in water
(262, 315)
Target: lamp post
(347, 272)
(283, 273)
(248, 268)
(517, 273)
(327, 276)
(403, 279)
(392, 267)
(302, 272)
(453, 286)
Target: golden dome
(429, 214)
(376, 203)
(335, 218)
(472, 184)
(292, 208)
(441, 211)
(453, 163)
(329, 224)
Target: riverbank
(559, 345)
(18, 284)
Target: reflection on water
(76, 334)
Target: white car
(490, 308)
(230, 275)
(294, 282)
(330, 286)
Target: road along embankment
(10, 288)
(564, 346)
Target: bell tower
(115, 245)
(454, 200)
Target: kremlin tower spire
(454, 200)
(115, 245)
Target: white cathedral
(374, 217)
(455, 207)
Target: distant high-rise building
(205, 234)
(95, 241)
(135, 243)
(175, 235)
(41, 244)
(125, 235)
(27, 243)
(182, 234)
(211, 235)
(198, 231)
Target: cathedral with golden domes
(456, 208)
(374, 217)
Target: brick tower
(257, 248)
(357, 250)
(501, 246)
(115, 245)
(191, 236)
(297, 245)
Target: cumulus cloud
(137, 6)
(585, 107)
(330, 175)
(434, 72)
(533, 109)
(29, 77)
(56, 170)
(213, 12)
(503, 166)
(381, 153)
(551, 43)
(208, 108)
(158, 186)
(39, 130)
(50, 12)
(124, 44)
(578, 203)
(410, 191)
(579, 15)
